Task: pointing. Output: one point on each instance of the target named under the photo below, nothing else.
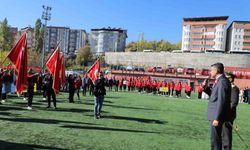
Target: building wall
(238, 37)
(102, 41)
(163, 59)
(70, 39)
(199, 36)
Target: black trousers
(216, 136)
(71, 95)
(199, 95)
(44, 91)
(227, 135)
(188, 93)
(77, 93)
(30, 93)
(50, 92)
(84, 90)
(221, 136)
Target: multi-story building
(70, 39)
(77, 39)
(107, 40)
(204, 34)
(29, 34)
(54, 35)
(238, 37)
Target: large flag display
(53, 66)
(94, 70)
(18, 57)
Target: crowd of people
(75, 84)
(220, 92)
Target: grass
(131, 121)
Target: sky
(157, 19)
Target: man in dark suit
(219, 110)
(227, 128)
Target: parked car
(205, 72)
(170, 70)
(139, 69)
(180, 70)
(130, 68)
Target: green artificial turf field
(131, 121)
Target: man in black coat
(48, 82)
(71, 81)
(219, 109)
(227, 129)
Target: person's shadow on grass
(4, 145)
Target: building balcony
(246, 40)
(197, 37)
(209, 36)
(247, 33)
(246, 47)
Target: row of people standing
(146, 85)
(75, 84)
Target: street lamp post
(46, 16)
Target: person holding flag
(52, 79)
(97, 78)
(31, 80)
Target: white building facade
(238, 37)
(204, 34)
(107, 40)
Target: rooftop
(215, 18)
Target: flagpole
(236, 131)
(52, 53)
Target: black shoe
(48, 107)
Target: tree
(39, 33)
(33, 58)
(6, 37)
(83, 55)
(154, 45)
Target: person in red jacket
(78, 85)
(129, 84)
(171, 88)
(178, 88)
(188, 90)
(199, 89)
(120, 84)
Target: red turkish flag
(94, 70)
(62, 70)
(18, 57)
(51, 63)
(53, 67)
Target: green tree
(33, 56)
(39, 33)
(6, 37)
(83, 55)
(154, 45)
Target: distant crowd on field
(76, 84)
